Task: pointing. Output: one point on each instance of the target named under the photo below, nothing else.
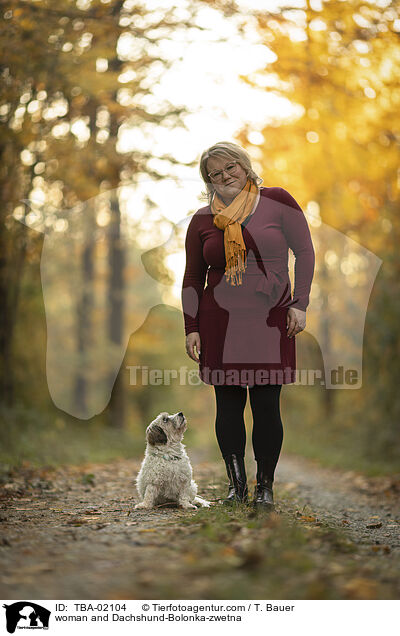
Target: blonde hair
(231, 151)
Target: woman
(241, 328)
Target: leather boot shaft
(236, 471)
(263, 493)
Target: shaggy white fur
(165, 475)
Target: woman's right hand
(192, 341)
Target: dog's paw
(187, 506)
(202, 502)
(142, 506)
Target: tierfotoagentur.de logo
(26, 615)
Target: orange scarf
(228, 218)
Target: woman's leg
(231, 436)
(267, 433)
(229, 423)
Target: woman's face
(227, 184)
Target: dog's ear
(156, 435)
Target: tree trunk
(115, 305)
(84, 313)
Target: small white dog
(165, 475)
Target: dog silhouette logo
(26, 615)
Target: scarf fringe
(236, 265)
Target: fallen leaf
(360, 588)
(228, 551)
(290, 485)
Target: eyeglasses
(216, 175)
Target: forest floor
(72, 533)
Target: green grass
(340, 450)
(27, 436)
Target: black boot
(235, 468)
(263, 493)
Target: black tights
(267, 433)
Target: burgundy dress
(242, 328)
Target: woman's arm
(297, 232)
(194, 277)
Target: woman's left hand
(295, 321)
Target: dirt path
(368, 510)
(73, 533)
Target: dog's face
(166, 428)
